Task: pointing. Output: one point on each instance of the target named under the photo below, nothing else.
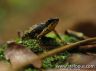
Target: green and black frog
(38, 31)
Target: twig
(76, 34)
(88, 48)
(63, 48)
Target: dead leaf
(4, 66)
(78, 58)
(20, 56)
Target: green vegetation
(69, 39)
(58, 59)
(2, 49)
(34, 45)
(53, 61)
(66, 38)
(30, 69)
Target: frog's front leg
(46, 31)
(43, 33)
(57, 35)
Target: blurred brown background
(18, 15)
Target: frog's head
(52, 21)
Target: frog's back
(34, 31)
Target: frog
(40, 30)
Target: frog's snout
(52, 21)
(56, 19)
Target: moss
(34, 45)
(2, 49)
(53, 61)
